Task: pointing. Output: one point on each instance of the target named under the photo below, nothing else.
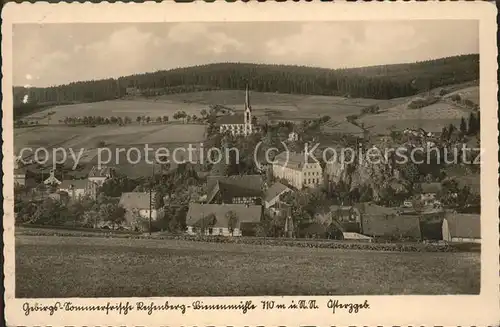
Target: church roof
(231, 119)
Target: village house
(76, 189)
(237, 189)
(212, 219)
(138, 205)
(298, 170)
(274, 193)
(465, 228)
(238, 124)
(387, 223)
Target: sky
(53, 54)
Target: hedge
(304, 243)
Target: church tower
(248, 113)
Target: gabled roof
(136, 200)
(231, 119)
(431, 187)
(293, 160)
(388, 225)
(464, 225)
(275, 190)
(376, 210)
(237, 185)
(76, 184)
(244, 213)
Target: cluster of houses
(235, 205)
(75, 189)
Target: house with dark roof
(237, 189)
(138, 205)
(76, 189)
(387, 223)
(298, 169)
(274, 193)
(213, 219)
(464, 228)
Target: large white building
(238, 124)
(300, 171)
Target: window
(221, 231)
(210, 231)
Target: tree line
(379, 82)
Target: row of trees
(104, 211)
(380, 82)
(472, 126)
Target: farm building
(386, 223)
(235, 189)
(213, 219)
(462, 228)
(273, 194)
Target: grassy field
(98, 267)
(120, 108)
(395, 114)
(470, 93)
(88, 137)
(431, 118)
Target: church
(238, 124)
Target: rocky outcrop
(364, 171)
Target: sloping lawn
(50, 266)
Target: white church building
(238, 124)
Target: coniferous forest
(378, 82)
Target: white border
(463, 310)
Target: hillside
(377, 82)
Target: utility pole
(151, 195)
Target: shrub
(423, 102)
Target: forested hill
(380, 82)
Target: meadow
(431, 118)
(50, 266)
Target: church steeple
(247, 100)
